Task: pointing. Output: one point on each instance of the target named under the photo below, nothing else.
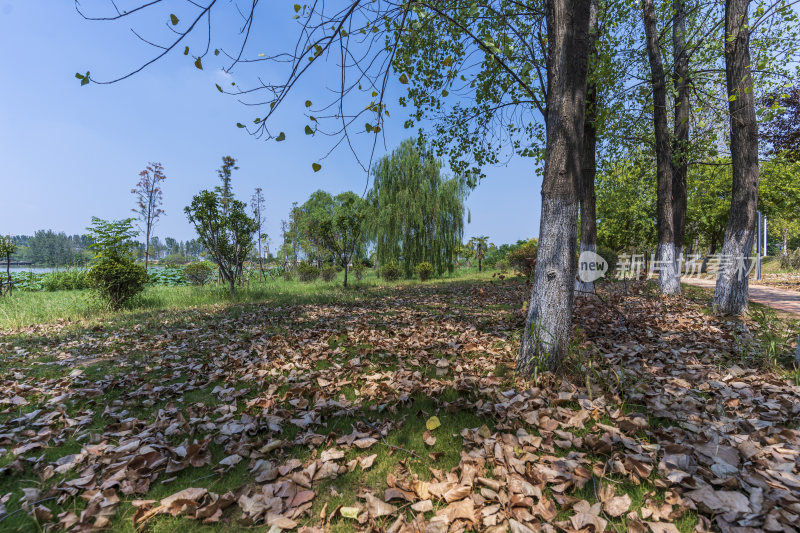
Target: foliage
(782, 133)
(523, 257)
(170, 276)
(786, 261)
(116, 279)
(223, 227)
(149, 196)
(328, 273)
(359, 269)
(112, 239)
(480, 246)
(65, 280)
(796, 259)
(173, 260)
(334, 225)
(198, 273)
(391, 271)
(610, 257)
(502, 266)
(424, 270)
(419, 213)
(288, 275)
(307, 272)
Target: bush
(198, 273)
(359, 269)
(117, 280)
(610, 257)
(306, 272)
(329, 273)
(523, 257)
(174, 259)
(288, 275)
(391, 271)
(786, 261)
(65, 280)
(796, 259)
(502, 266)
(424, 270)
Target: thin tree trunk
(785, 241)
(547, 328)
(731, 292)
(10, 289)
(345, 273)
(681, 128)
(665, 254)
(589, 170)
(147, 246)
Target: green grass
(26, 309)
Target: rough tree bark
(589, 166)
(665, 254)
(547, 329)
(681, 128)
(731, 291)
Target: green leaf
(433, 423)
(297, 8)
(281, 137)
(308, 130)
(308, 103)
(198, 63)
(368, 126)
(79, 75)
(403, 79)
(239, 125)
(216, 52)
(218, 87)
(316, 166)
(174, 19)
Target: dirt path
(782, 299)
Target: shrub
(523, 257)
(65, 280)
(786, 261)
(502, 266)
(359, 269)
(424, 270)
(610, 257)
(288, 275)
(796, 259)
(117, 280)
(329, 273)
(307, 272)
(391, 271)
(198, 273)
(174, 259)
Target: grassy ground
(26, 309)
(388, 356)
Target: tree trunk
(232, 286)
(665, 254)
(589, 170)
(785, 241)
(681, 129)
(345, 273)
(10, 289)
(731, 292)
(547, 328)
(147, 246)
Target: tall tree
(665, 253)
(149, 196)
(782, 133)
(480, 245)
(257, 205)
(588, 199)
(680, 166)
(224, 189)
(7, 247)
(732, 288)
(547, 327)
(419, 212)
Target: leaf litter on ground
(287, 400)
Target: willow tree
(419, 212)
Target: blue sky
(72, 152)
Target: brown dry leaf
(377, 507)
(617, 506)
(662, 527)
(428, 438)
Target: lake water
(28, 268)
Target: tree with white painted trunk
(665, 255)
(547, 328)
(732, 287)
